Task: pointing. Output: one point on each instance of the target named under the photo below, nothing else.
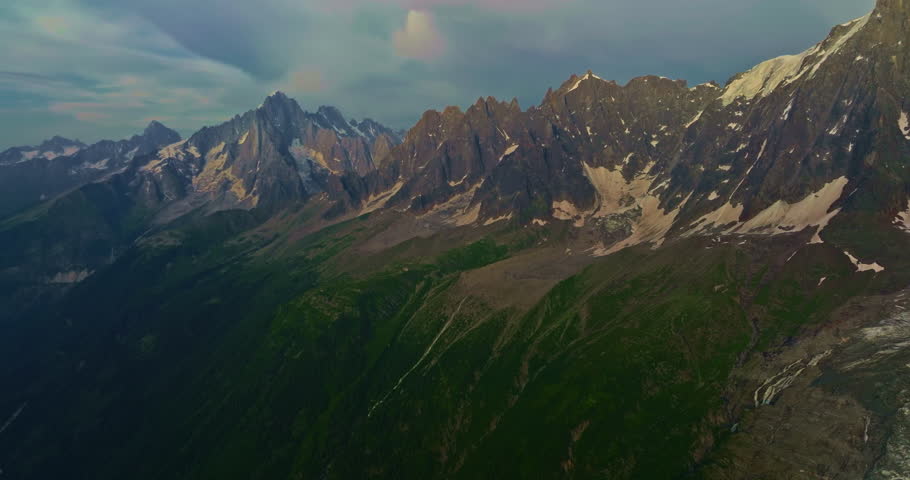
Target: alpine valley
(640, 281)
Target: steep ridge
(30, 175)
(793, 145)
(779, 149)
(273, 157)
(515, 319)
(49, 149)
(103, 198)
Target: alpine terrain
(640, 281)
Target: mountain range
(649, 280)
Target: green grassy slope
(204, 358)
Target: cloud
(307, 81)
(52, 25)
(419, 39)
(512, 6)
(196, 62)
(66, 107)
(247, 35)
(107, 69)
(82, 111)
(91, 116)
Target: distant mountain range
(30, 175)
(650, 280)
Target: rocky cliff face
(487, 317)
(780, 148)
(274, 157)
(110, 194)
(792, 145)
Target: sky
(93, 69)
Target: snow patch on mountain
(903, 219)
(767, 76)
(71, 277)
(459, 182)
(49, 154)
(652, 227)
(587, 76)
(13, 417)
(508, 152)
(613, 189)
(856, 26)
(99, 165)
(172, 150)
(904, 124)
(501, 218)
(836, 129)
(764, 78)
(694, 119)
(69, 151)
(566, 210)
(781, 217)
(377, 201)
(864, 267)
(616, 196)
(457, 211)
(786, 115)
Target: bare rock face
(786, 146)
(766, 330)
(275, 156)
(97, 200)
(794, 144)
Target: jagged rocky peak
(879, 38)
(59, 147)
(273, 157)
(491, 107)
(582, 93)
(157, 135)
(278, 108)
(49, 149)
(331, 114)
(753, 156)
(155, 127)
(59, 144)
(575, 81)
(277, 97)
(373, 130)
(330, 118)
